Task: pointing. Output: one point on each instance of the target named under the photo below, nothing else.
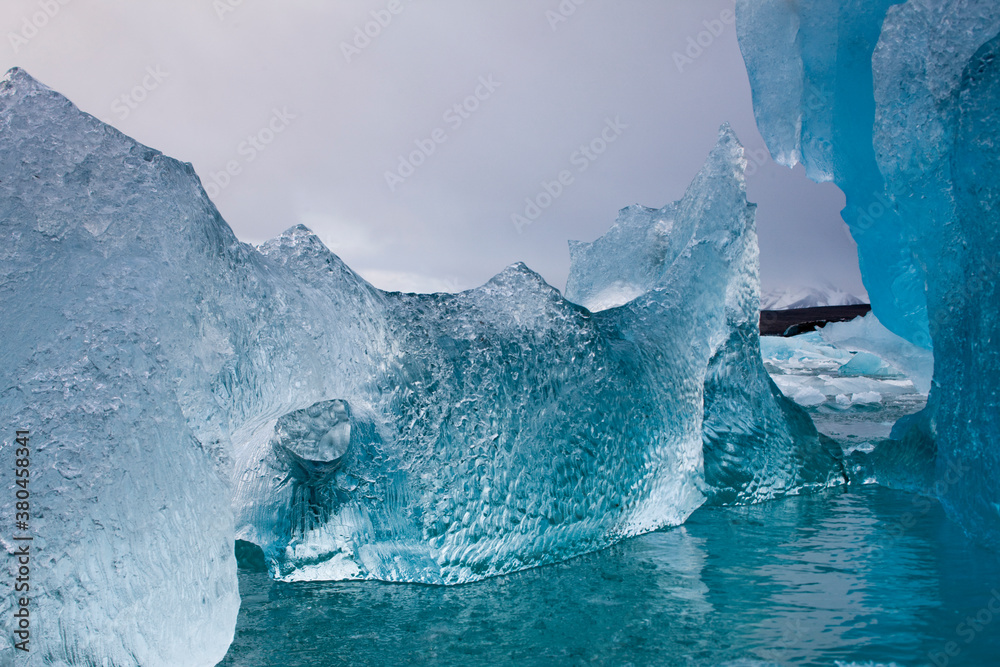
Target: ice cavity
(881, 352)
(852, 395)
(825, 368)
(817, 367)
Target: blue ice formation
(810, 71)
(867, 364)
(113, 263)
(506, 427)
(866, 334)
(757, 444)
(183, 388)
(898, 104)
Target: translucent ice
(810, 70)
(166, 370)
(113, 335)
(866, 363)
(866, 334)
(506, 427)
(897, 102)
(757, 443)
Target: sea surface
(857, 575)
(860, 575)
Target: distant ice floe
(856, 378)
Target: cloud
(401, 281)
(451, 219)
(347, 239)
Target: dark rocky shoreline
(800, 320)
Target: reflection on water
(857, 575)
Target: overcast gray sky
(332, 109)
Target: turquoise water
(858, 575)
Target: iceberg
(183, 389)
(897, 103)
(813, 371)
(758, 445)
(896, 354)
(506, 426)
(110, 258)
(866, 363)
